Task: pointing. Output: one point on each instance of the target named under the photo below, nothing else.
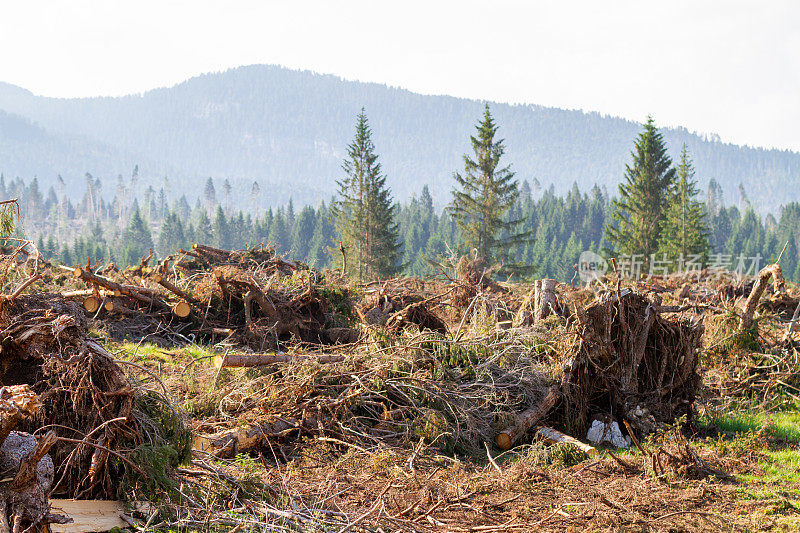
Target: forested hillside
(123, 229)
(287, 130)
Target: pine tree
(639, 212)
(136, 240)
(684, 231)
(363, 214)
(484, 195)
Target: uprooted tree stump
(633, 362)
(83, 392)
(629, 361)
(25, 462)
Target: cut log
(202, 248)
(87, 292)
(117, 306)
(762, 280)
(552, 436)
(181, 309)
(91, 304)
(89, 515)
(251, 360)
(506, 439)
(171, 287)
(142, 294)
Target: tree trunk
(506, 439)
(546, 302)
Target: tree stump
(24, 461)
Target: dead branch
(762, 280)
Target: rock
(602, 432)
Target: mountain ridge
(288, 129)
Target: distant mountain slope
(289, 130)
(28, 151)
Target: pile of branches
(252, 297)
(453, 396)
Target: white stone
(600, 433)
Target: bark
(210, 250)
(546, 302)
(174, 289)
(552, 436)
(506, 439)
(250, 360)
(230, 443)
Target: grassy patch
(783, 425)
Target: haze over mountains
(288, 130)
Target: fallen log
(88, 292)
(506, 439)
(553, 436)
(762, 280)
(202, 248)
(229, 443)
(251, 360)
(174, 289)
(116, 306)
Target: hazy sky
(729, 67)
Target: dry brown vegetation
(383, 410)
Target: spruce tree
(484, 195)
(136, 240)
(639, 212)
(684, 232)
(363, 213)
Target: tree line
(658, 213)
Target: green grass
(783, 425)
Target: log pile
(210, 292)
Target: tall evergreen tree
(136, 240)
(484, 195)
(684, 232)
(639, 212)
(363, 213)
